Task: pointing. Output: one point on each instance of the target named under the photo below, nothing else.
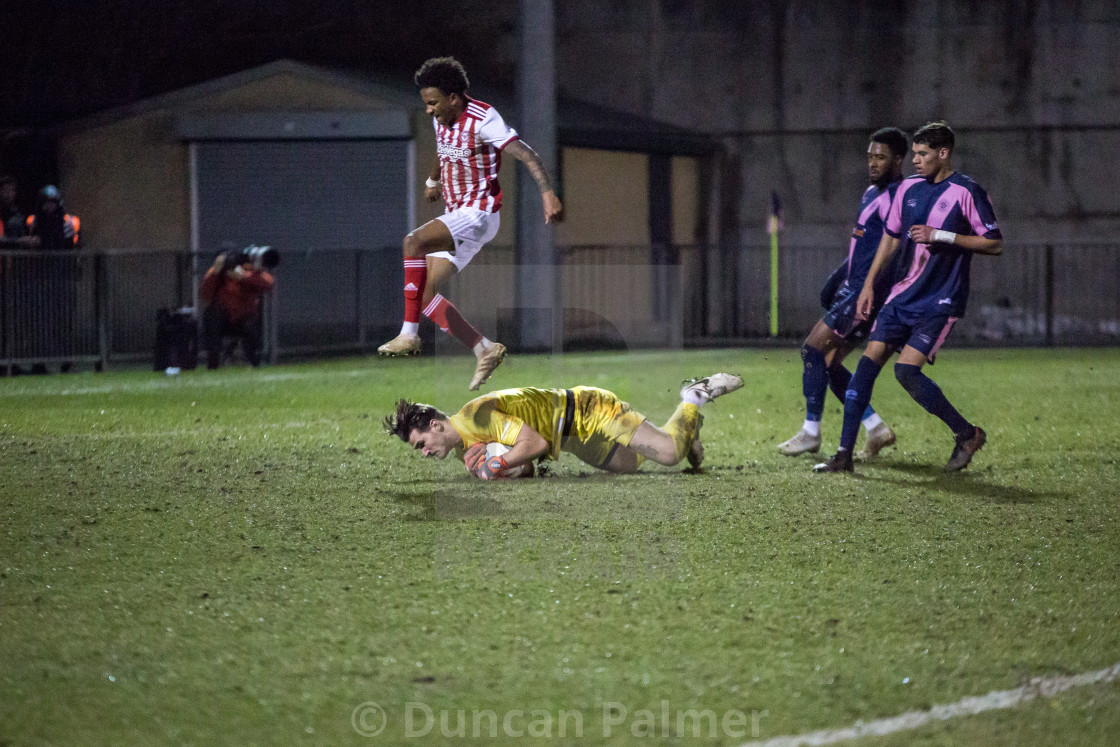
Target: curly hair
(445, 73)
(411, 416)
(935, 135)
(893, 138)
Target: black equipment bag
(176, 339)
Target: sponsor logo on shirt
(944, 301)
(912, 203)
(450, 151)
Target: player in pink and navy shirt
(839, 331)
(941, 218)
(470, 139)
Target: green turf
(242, 557)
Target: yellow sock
(682, 427)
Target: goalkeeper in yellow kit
(591, 423)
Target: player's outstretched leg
(489, 354)
(879, 434)
(969, 438)
(856, 400)
(697, 392)
(814, 386)
(676, 440)
(700, 391)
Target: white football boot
(487, 362)
(802, 442)
(878, 438)
(710, 387)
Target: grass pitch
(243, 557)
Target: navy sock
(856, 400)
(814, 382)
(838, 379)
(927, 394)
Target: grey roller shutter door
(297, 195)
(320, 203)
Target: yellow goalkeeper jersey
(574, 419)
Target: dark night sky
(62, 59)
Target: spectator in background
(232, 291)
(52, 229)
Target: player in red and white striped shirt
(470, 139)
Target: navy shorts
(841, 316)
(924, 332)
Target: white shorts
(471, 229)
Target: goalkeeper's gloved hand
(475, 457)
(493, 467)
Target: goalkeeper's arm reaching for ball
(528, 447)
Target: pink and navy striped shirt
(470, 155)
(874, 207)
(937, 275)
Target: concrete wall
(607, 197)
(1032, 88)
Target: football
(495, 448)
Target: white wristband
(431, 183)
(945, 237)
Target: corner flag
(774, 226)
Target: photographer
(232, 292)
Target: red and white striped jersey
(470, 154)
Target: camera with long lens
(258, 256)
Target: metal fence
(51, 308)
(97, 308)
(1033, 294)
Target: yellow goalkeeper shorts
(601, 422)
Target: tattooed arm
(553, 209)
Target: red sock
(447, 317)
(415, 278)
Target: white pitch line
(173, 383)
(1038, 687)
